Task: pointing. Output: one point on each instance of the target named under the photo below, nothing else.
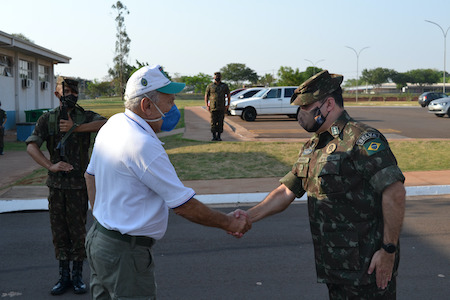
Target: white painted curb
(42, 204)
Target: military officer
(216, 94)
(66, 131)
(356, 196)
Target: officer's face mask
(170, 119)
(313, 119)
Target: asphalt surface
(272, 261)
(412, 122)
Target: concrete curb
(13, 205)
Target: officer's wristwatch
(389, 248)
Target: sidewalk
(15, 165)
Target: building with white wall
(27, 80)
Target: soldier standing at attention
(2, 127)
(215, 101)
(356, 196)
(67, 132)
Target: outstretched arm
(199, 213)
(277, 201)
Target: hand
(65, 125)
(60, 167)
(241, 216)
(383, 263)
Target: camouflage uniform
(344, 172)
(2, 129)
(68, 201)
(216, 95)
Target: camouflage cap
(70, 82)
(316, 88)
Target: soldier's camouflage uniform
(68, 201)
(344, 172)
(216, 95)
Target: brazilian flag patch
(374, 146)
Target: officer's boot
(218, 137)
(1, 151)
(77, 273)
(214, 136)
(64, 281)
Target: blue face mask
(170, 119)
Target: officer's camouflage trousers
(368, 292)
(217, 117)
(68, 208)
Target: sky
(187, 37)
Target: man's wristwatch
(389, 248)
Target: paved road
(273, 261)
(394, 122)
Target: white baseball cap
(150, 78)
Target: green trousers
(119, 270)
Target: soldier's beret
(70, 82)
(316, 88)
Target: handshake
(240, 223)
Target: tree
(97, 89)
(400, 79)
(267, 80)
(377, 76)
(238, 74)
(424, 76)
(288, 76)
(22, 36)
(197, 83)
(121, 70)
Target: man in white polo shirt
(131, 184)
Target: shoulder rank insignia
(374, 146)
(335, 130)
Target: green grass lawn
(192, 159)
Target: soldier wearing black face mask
(67, 133)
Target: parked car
(244, 94)
(268, 101)
(427, 97)
(440, 107)
(234, 92)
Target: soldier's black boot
(218, 137)
(64, 281)
(214, 137)
(77, 278)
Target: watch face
(389, 248)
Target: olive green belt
(144, 241)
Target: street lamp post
(445, 46)
(357, 67)
(314, 64)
